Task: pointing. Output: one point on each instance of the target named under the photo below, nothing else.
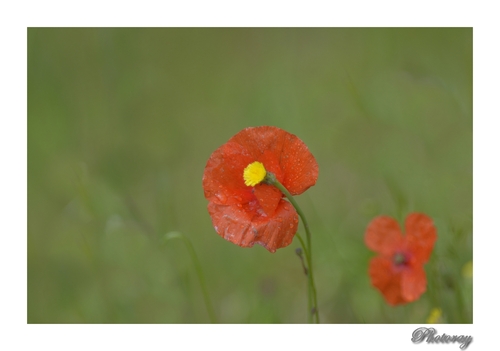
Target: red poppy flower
(244, 209)
(398, 270)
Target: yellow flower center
(254, 173)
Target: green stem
(309, 295)
(199, 271)
(312, 289)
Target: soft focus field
(121, 123)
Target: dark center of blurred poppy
(400, 259)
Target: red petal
(421, 236)
(246, 225)
(298, 166)
(413, 283)
(223, 176)
(268, 197)
(386, 280)
(257, 140)
(272, 164)
(383, 235)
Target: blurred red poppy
(257, 213)
(398, 270)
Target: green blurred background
(121, 123)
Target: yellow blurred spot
(434, 316)
(467, 270)
(254, 173)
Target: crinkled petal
(421, 235)
(383, 235)
(249, 225)
(386, 280)
(413, 283)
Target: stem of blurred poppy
(199, 271)
(314, 309)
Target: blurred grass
(121, 123)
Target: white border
(20, 15)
